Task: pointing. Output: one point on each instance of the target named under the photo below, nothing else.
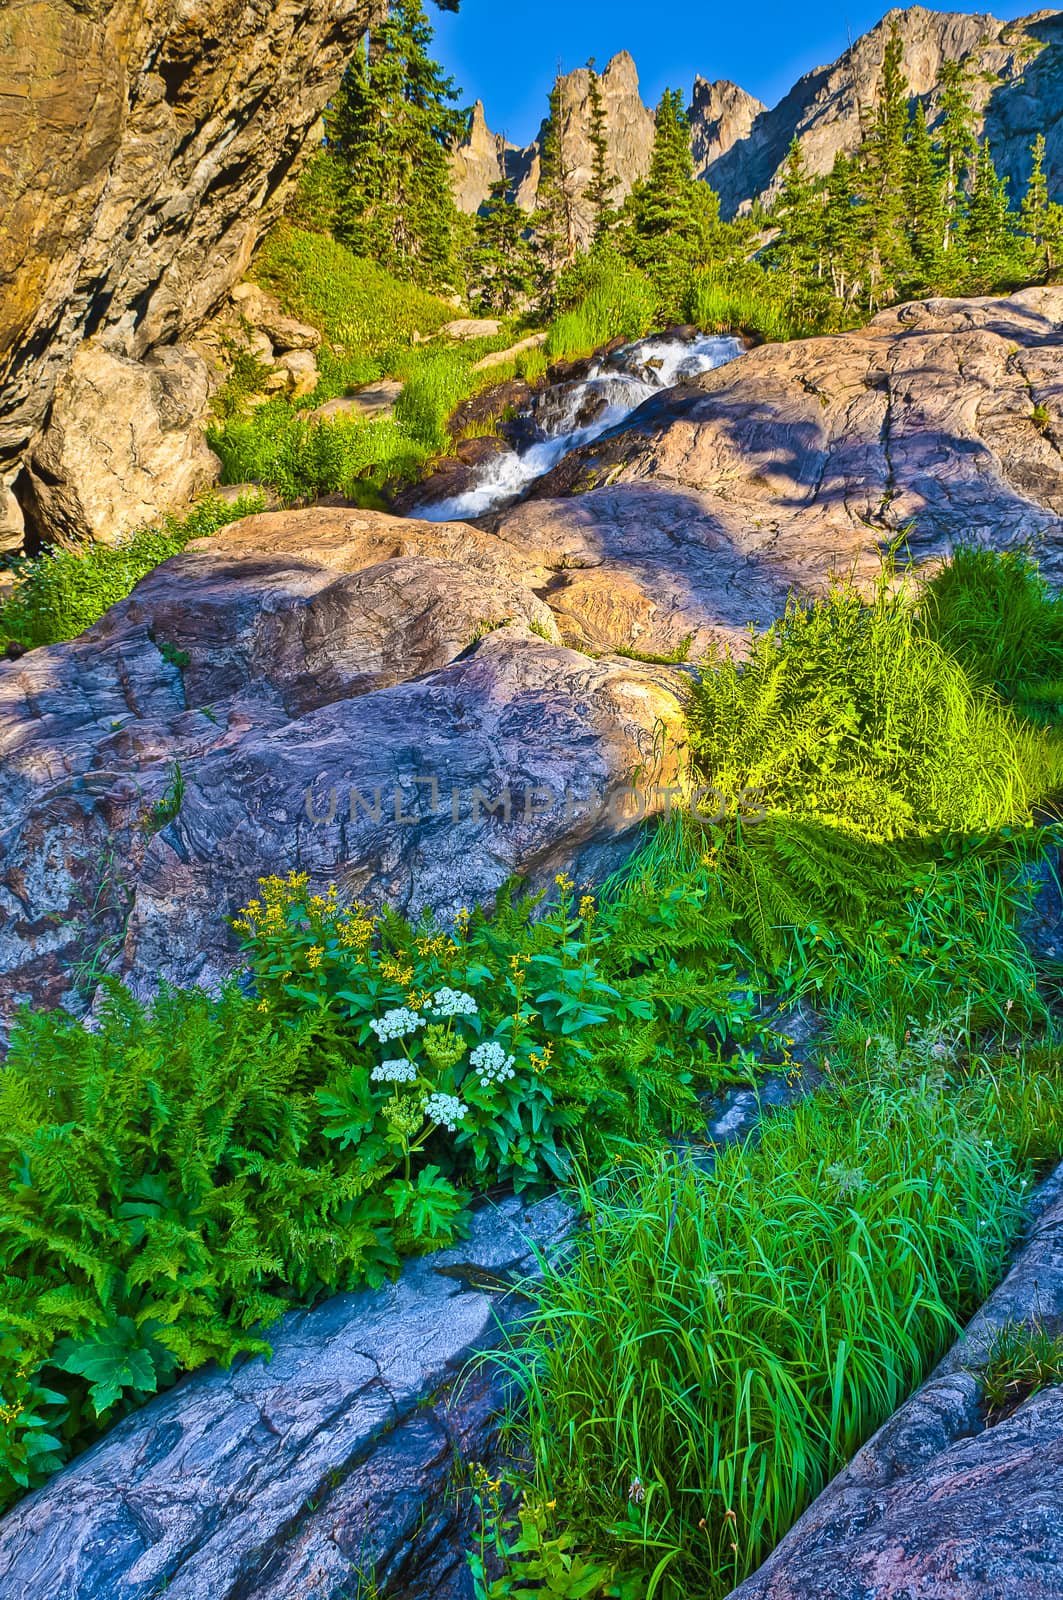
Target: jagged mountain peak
(740, 145)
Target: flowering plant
(450, 1042)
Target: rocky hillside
(740, 146)
(143, 152)
(337, 686)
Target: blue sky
(505, 52)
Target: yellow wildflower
(313, 957)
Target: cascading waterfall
(574, 414)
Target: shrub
(61, 593)
(302, 458)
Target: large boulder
(383, 702)
(940, 423)
(340, 1462)
(144, 149)
(124, 444)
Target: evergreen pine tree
(884, 160)
(502, 264)
(1041, 219)
(670, 217)
(390, 130)
(924, 201)
(599, 194)
(800, 249)
(989, 244)
(555, 218)
(843, 230)
(957, 142)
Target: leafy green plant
(168, 806)
(533, 1562)
(303, 457)
(995, 614)
(601, 297)
(850, 714)
(61, 593)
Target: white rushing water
(573, 414)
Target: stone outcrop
(383, 702)
(1016, 73)
(124, 445)
(797, 461)
(937, 1503)
(484, 158)
(339, 1463)
(740, 146)
(143, 151)
(720, 115)
(481, 160)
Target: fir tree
(555, 218)
(884, 159)
(843, 230)
(670, 217)
(390, 130)
(1041, 219)
(798, 214)
(957, 142)
(988, 241)
(502, 264)
(924, 201)
(599, 194)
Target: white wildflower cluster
(400, 1071)
(491, 1064)
(446, 1109)
(452, 1003)
(396, 1024)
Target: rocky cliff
(630, 125)
(144, 147)
(740, 145)
(1016, 70)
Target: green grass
(600, 298)
(995, 615)
(302, 458)
(742, 305)
(723, 1342)
(1024, 1359)
(61, 593)
(357, 305)
(873, 801)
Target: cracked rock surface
(145, 148)
(341, 691)
(341, 1459)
